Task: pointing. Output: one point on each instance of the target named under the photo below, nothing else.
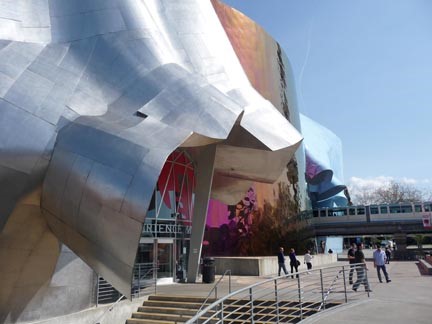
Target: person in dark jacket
(281, 261)
(351, 260)
(388, 255)
(293, 262)
(361, 269)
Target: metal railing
(144, 282)
(144, 279)
(141, 283)
(105, 292)
(284, 299)
(109, 309)
(215, 288)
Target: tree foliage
(389, 193)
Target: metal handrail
(105, 292)
(123, 296)
(355, 266)
(325, 296)
(278, 293)
(215, 288)
(98, 321)
(150, 270)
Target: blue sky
(363, 69)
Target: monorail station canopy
(94, 98)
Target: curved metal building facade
(99, 99)
(324, 171)
(94, 97)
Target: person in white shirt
(308, 260)
(380, 258)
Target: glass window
(171, 207)
(322, 213)
(383, 210)
(340, 211)
(374, 210)
(315, 213)
(406, 209)
(427, 208)
(418, 208)
(394, 209)
(360, 211)
(352, 211)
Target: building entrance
(167, 256)
(158, 254)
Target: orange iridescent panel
(255, 223)
(256, 50)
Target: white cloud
(366, 184)
(362, 184)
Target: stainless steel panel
(29, 91)
(117, 85)
(74, 189)
(16, 57)
(22, 137)
(55, 180)
(5, 83)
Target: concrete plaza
(407, 299)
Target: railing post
(344, 281)
(139, 279)
(155, 278)
(229, 281)
(97, 291)
(300, 296)
(277, 301)
(251, 305)
(215, 292)
(221, 312)
(322, 288)
(367, 279)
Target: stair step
(187, 308)
(175, 304)
(215, 321)
(200, 300)
(170, 310)
(196, 302)
(165, 309)
(189, 299)
(232, 317)
(144, 321)
(162, 316)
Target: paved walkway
(407, 299)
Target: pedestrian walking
(388, 255)
(379, 257)
(294, 263)
(308, 260)
(361, 269)
(351, 260)
(281, 261)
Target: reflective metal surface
(104, 91)
(270, 74)
(323, 164)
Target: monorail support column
(204, 177)
(401, 241)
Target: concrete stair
(163, 309)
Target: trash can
(208, 272)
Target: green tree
(419, 240)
